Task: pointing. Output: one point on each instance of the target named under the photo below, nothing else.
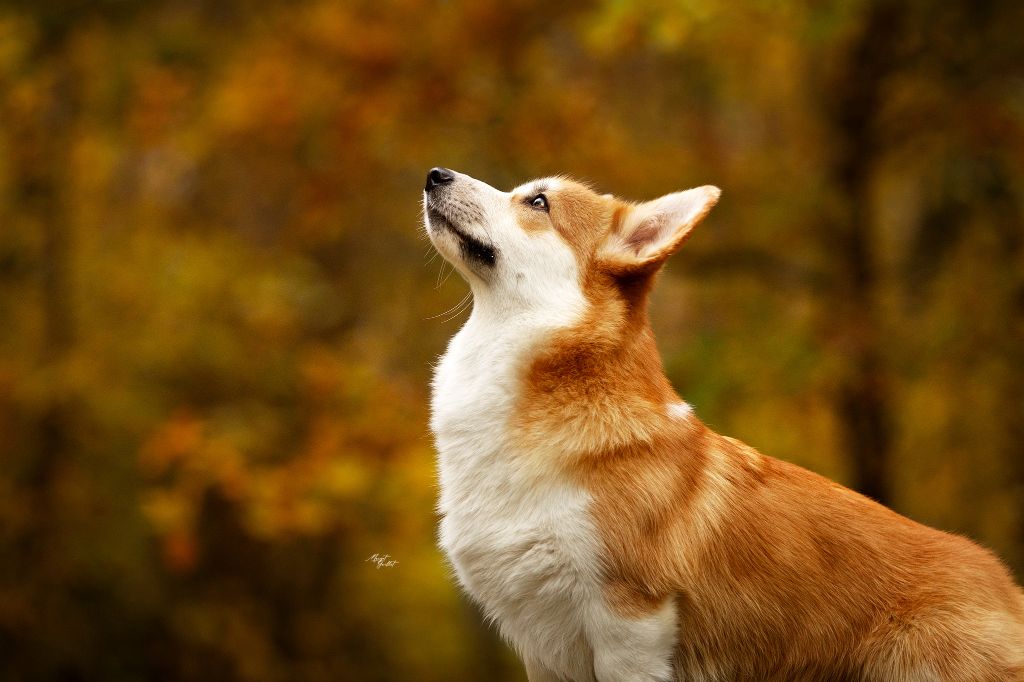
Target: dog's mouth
(472, 248)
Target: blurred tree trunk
(1013, 404)
(1008, 219)
(42, 160)
(45, 200)
(862, 399)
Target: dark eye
(540, 202)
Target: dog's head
(554, 241)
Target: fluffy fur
(610, 534)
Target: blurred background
(218, 313)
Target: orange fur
(778, 574)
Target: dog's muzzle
(437, 177)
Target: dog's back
(806, 580)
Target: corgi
(608, 533)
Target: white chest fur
(522, 541)
(523, 548)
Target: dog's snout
(438, 176)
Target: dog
(609, 533)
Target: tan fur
(778, 573)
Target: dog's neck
(571, 380)
(595, 388)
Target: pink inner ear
(646, 233)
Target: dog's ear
(648, 233)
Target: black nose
(438, 176)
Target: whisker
(440, 273)
(441, 283)
(462, 308)
(460, 304)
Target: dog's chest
(522, 544)
(529, 565)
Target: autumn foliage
(218, 313)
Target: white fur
(679, 410)
(521, 541)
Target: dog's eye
(540, 202)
